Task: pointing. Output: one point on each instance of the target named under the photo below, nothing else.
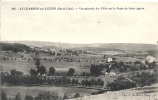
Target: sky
(80, 26)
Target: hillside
(41, 44)
(153, 53)
(91, 47)
(140, 93)
(16, 47)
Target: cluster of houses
(149, 59)
(9, 58)
(57, 51)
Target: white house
(110, 74)
(109, 59)
(150, 59)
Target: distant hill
(130, 46)
(15, 47)
(153, 53)
(91, 47)
(41, 44)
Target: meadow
(85, 60)
(34, 90)
(24, 66)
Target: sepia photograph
(78, 50)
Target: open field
(139, 93)
(25, 66)
(86, 60)
(34, 90)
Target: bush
(41, 70)
(51, 70)
(32, 72)
(47, 96)
(3, 95)
(14, 72)
(145, 78)
(18, 97)
(100, 82)
(28, 97)
(120, 84)
(65, 97)
(98, 92)
(95, 70)
(77, 95)
(70, 72)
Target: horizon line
(73, 43)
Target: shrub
(3, 95)
(47, 96)
(70, 72)
(51, 70)
(95, 70)
(77, 95)
(65, 97)
(28, 97)
(18, 97)
(120, 84)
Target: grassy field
(139, 93)
(34, 90)
(25, 66)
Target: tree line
(14, 47)
(18, 79)
(42, 95)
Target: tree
(58, 54)
(65, 97)
(108, 84)
(121, 63)
(76, 82)
(104, 56)
(70, 72)
(77, 95)
(83, 82)
(146, 62)
(108, 70)
(28, 97)
(95, 70)
(19, 73)
(41, 70)
(68, 81)
(3, 95)
(37, 63)
(32, 72)
(100, 82)
(92, 82)
(17, 97)
(13, 72)
(153, 64)
(73, 81)
(155, 70)
(86, 82)
(47, 96)
(52, 70)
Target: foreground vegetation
(43, 95)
